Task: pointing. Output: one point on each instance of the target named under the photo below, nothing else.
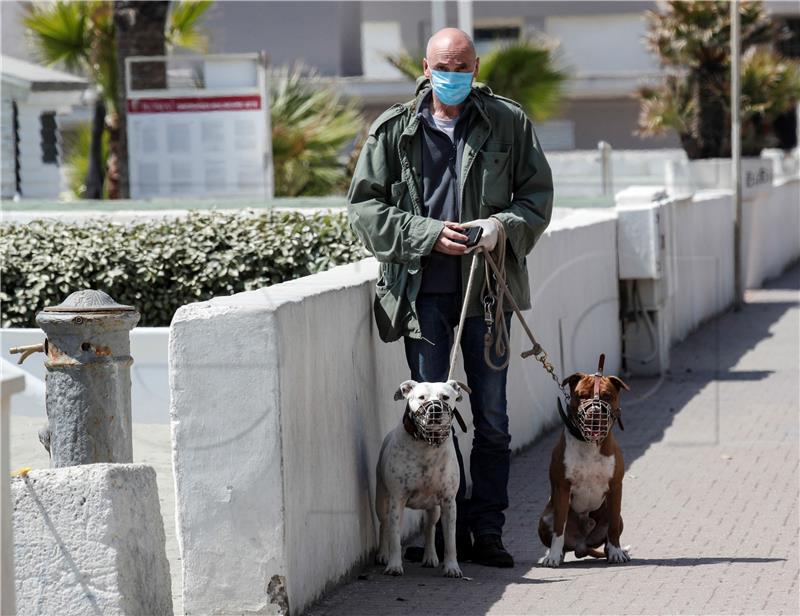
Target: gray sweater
(441, 160)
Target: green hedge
(163, 264)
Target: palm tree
(311, 127)
(524, 70)
(139, 29)
(82, 36)
(692, 40)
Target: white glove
(491, 231)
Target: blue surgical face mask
(451, 88)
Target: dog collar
(408, 423)
(570, 425)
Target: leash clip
(488, 307)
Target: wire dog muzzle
(595, 417)
(433, 420)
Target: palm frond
(311, 130)
(59, 32)
(183, 27)
(527, 72)
(410, 65)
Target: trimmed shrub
(158, 266)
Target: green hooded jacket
(503, 174)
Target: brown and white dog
(586, 471)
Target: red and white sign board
(203, 143)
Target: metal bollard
(606, 173)
(88, 383)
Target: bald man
(457, 156)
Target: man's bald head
(450, 50)
(450, 39)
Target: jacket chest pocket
(495, 179)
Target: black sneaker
(414, 553)
(489, 551)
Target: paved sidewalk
(710, 503)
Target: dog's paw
(617, 555)
(381, 558)
(452, 570)
(550, 559)
(430, 560)
(395, 569)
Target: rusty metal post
(88, 379)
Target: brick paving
(710, 502)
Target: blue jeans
(491, 456)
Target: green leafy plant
(692, 40)
(526, 71)
(163, 264)
(183, 27)
(311, 129)
(408, 63)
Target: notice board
(207, 137)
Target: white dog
(418, 468)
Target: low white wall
(282, 396)
(697, 281)
(579, 173)
(149, 373)
(770, 231)
(699, 260)
(701, 241)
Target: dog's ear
(404, 389)
(618, 383)
(573, 380)
(459, 387)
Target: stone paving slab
(710, 502)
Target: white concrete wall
(698, 243)
(771, 231)
(282, 396)
(586, 50)
(700, 260)
(149, 374)
(579, 173)
(701, 246)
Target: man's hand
(491, 231)
(449, 238)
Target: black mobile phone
(473, 236)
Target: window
(15, 125)
(489, 35)
(47, 123)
